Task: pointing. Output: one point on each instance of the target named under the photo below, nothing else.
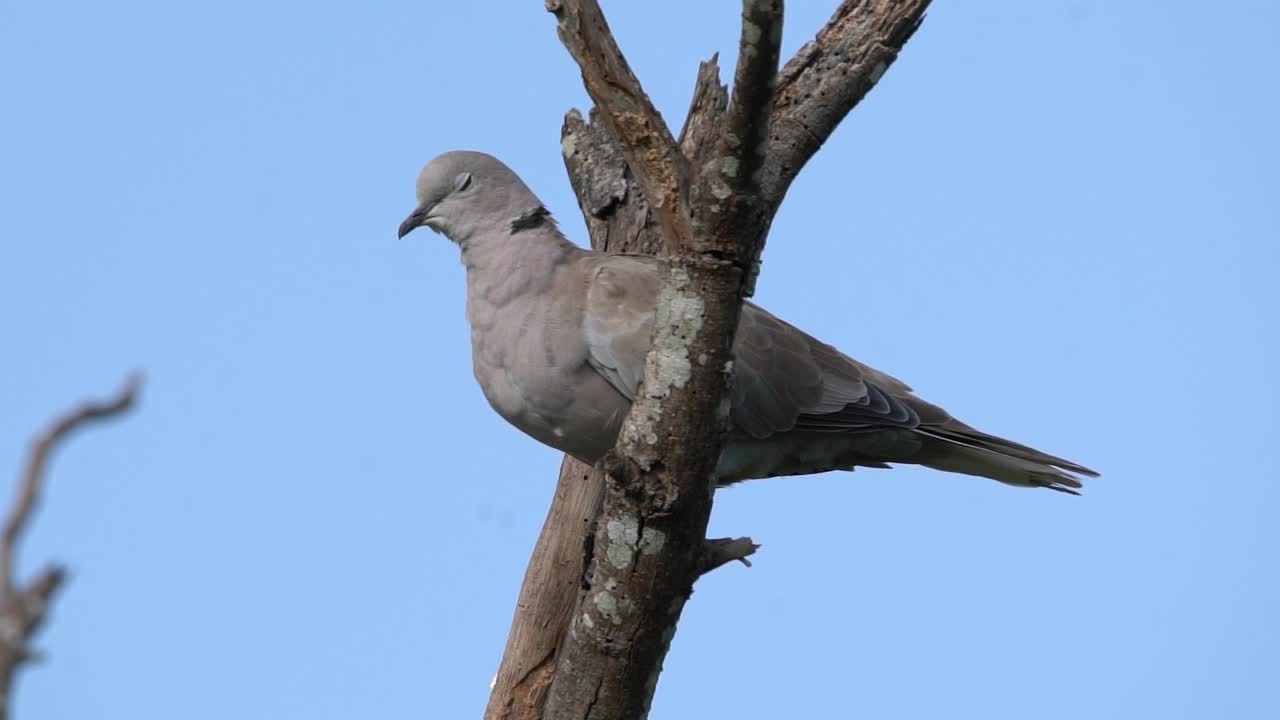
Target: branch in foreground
(649, 540)
(23, 610)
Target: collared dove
(559, 336)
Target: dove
(559, 336)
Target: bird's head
(462, 193)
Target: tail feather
(957, 447)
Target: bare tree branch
(828, 77)
(745, 141)
(649, 540)
(33, 476)
(723, 551)
(646, 140)
(23, 610)
(730, 212)
(547, 596)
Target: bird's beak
(415, 220)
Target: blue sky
(1057, 219)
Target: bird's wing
(783, 378)
(617, 320)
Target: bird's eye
(462, 182)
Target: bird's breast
(531, 364)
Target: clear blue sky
(1057, 219)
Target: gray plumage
(559, 336)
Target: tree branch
(547, 596)
(23, 610)
(828, 77)
(732, 217)
(649, 540)
(646, 141)
(723, 551)
(745, 141)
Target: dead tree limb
(723, 551)
(646, 142)
(813, 92)
(23, 609)
(650, 537)
(828, 76)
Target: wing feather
(784, 379)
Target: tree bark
(649, 544)
(717, 257)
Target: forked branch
(646, 140)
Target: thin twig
(33, 476)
